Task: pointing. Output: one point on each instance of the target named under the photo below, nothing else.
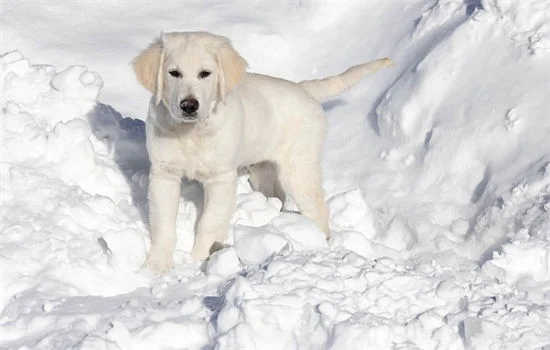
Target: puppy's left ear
(232, 68)
(148, 67)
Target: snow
(437, 175)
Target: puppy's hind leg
(264, 178)
(303, 183)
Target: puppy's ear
(232, 68)
(160, 78)
(147, 67)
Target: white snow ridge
(437, 176)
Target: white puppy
(208, 118)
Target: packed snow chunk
(125, 249)
(399, 235)
(352, 240)
(71, 139)
(349, 211)
(120, 335)
(223, 263)
(23, 140)
(78, 82)
(16, 120)
(275, 324)
(48, 96)
(14, 62)
(261, 322)
(301, 232)
(254, 209)
(10, 57)
(479, 333)
(21, 82)
(358, 243)
(521, 259)
(368, 329)
(187, 335)
(255, 244)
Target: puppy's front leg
(164, 196)
(219, 205)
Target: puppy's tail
(323, 89)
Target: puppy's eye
(175, 73)
(204, 74)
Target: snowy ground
(437, 175)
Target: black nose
(189, 105)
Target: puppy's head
(189, 72)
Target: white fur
(274, 127)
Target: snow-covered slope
(437, 175)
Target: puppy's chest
(200, 159)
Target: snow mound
(64, 194)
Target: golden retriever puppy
(208, 118)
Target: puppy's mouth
(189, 118)
(185, 118)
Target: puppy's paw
(159, 263)
(202, 251)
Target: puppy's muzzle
(189, 106)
